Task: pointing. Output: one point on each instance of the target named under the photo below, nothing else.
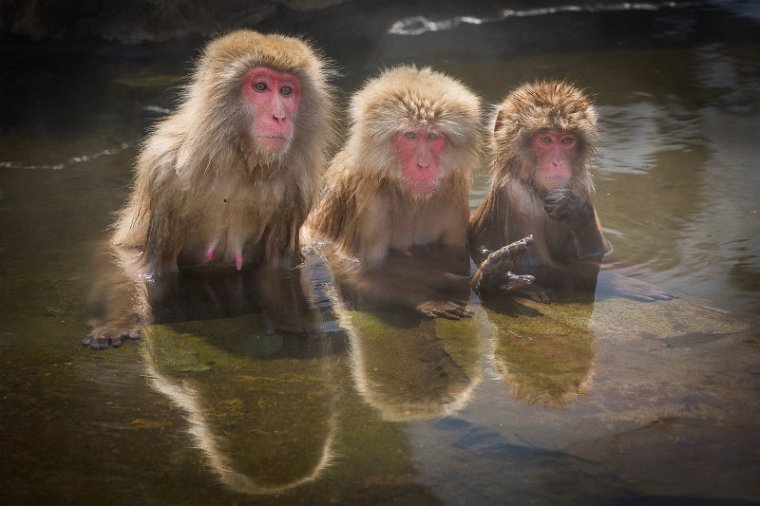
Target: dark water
(582, 402)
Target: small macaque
(542, 141)
(226, 180)
(397, 194)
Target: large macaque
(400, 186)
(229, 178)
(542, 141)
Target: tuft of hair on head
(411, 98)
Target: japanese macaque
(229, 178)
(400, 186)
(542, 141)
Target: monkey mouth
(275, 143)
(421, 188)
(272, 139)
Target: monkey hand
(565, 206)
(444, 309)
(112, 333)
(497, 265)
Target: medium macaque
(542, 141)
(230, 177)
(400, 186)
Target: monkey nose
(423, 162)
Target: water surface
(605, 401)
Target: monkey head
(263, 92)
(544, 134)
(414, 128)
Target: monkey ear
(499, 121)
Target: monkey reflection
(543, 353)
(259, 437)
(408, 369)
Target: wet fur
(200, 179)
(366, 210)
(514, 206)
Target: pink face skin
(275, 97)
(554, 152)
(420, 151)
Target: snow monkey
(543, 138)
(229, 178)
(401, 184)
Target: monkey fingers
(565, 206)
(444, 309)
(517, 281)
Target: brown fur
(366, 211)
(514, 206)
(201, 180)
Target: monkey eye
(545, 139)
(286, 90)
(260, 86)
(410, 135)
(434, 136)
(567, 140)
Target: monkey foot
(444, 309)
(101, 337)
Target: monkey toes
(444, 309)
(101, 337)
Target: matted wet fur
(367, 210)
(516, 204)
(200, 178)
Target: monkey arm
(497, 266)
(166, 228)
(118, 301)
(487, 229)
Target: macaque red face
(555, 152)
(420, 151)
(275, 97)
